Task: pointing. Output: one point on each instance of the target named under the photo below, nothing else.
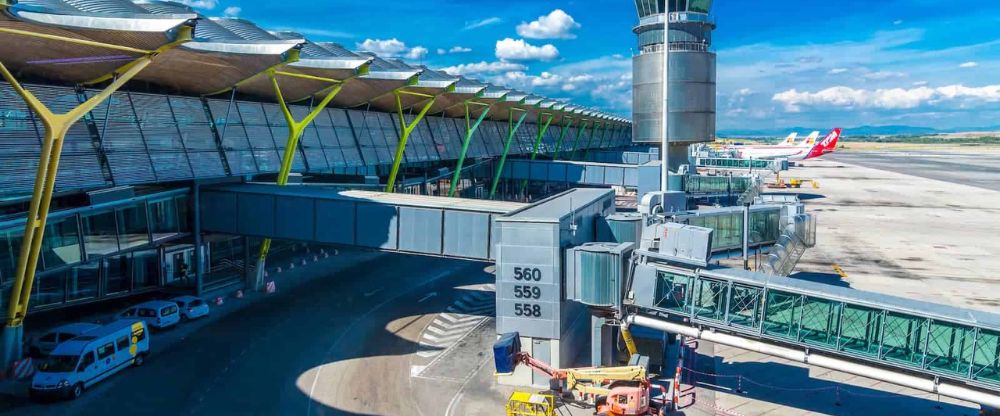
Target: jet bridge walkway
(430, 225)
(927, 346)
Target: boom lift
(613, 391)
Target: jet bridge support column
(56, 127)
(470, 130)
(544, 126)
(512, 129)
(404, 132)
(295, 130)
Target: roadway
(967, 168)
(342, 344)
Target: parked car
(191, 307)
(44, 344)
(79, 363)
(159, 314)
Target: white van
(81, 362)
(158, 314)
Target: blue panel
(574, 173)
(594, 175)
(217, 212)
(539, 170)
(614, 176)
(377, 226)
(466, 234)
(295, 218)
(631, 177)
(256, 215)
(335, 222)
(519, 168)
(420, 230)
(557, 172)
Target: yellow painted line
(839, 270)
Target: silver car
(191, 307)
(44, 344)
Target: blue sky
(781, 63)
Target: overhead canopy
(227, 53)
(465, 89)
(216, 60)
(311, 71)
(491, 94)
(116, 22)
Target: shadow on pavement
(792, 386)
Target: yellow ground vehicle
(523, 403)
(613, 391)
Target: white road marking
(442, 340)
(415, 370)
(428, 353)
(429, 295)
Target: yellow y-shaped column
(295, 130)
(405, 130)
(56, 126)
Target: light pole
(664, 154)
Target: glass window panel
(949, 348)
(710, 301)
(82, 280)
(744, 306)
(118, 275)
(61, 245)
(163, 219)
(145, 269)
(903, 338)
(49, 289)
(673, 291)
(133, 230)
(859, 331)
(183, 213)
(782, 313)
(986, 366)
(10, 248)
(820, 318)
(100, 235)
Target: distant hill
(891, 130)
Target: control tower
(691, 71)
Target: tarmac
(920, 225)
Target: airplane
(807, 149)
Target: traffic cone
(239, 294)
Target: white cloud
(519, 50)
(970, 64)
(417, 53)
(392, 48)
(556, 25)
(881, 75)
(232, 11)
(919, 83)
(897, 22)
(836, 71)
(475, 24)
(484, 67)
(201, 4)
(454, 49)
(889, 99)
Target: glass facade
(91, 252)
(907, 340)
(100, 234)
(765, 227)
